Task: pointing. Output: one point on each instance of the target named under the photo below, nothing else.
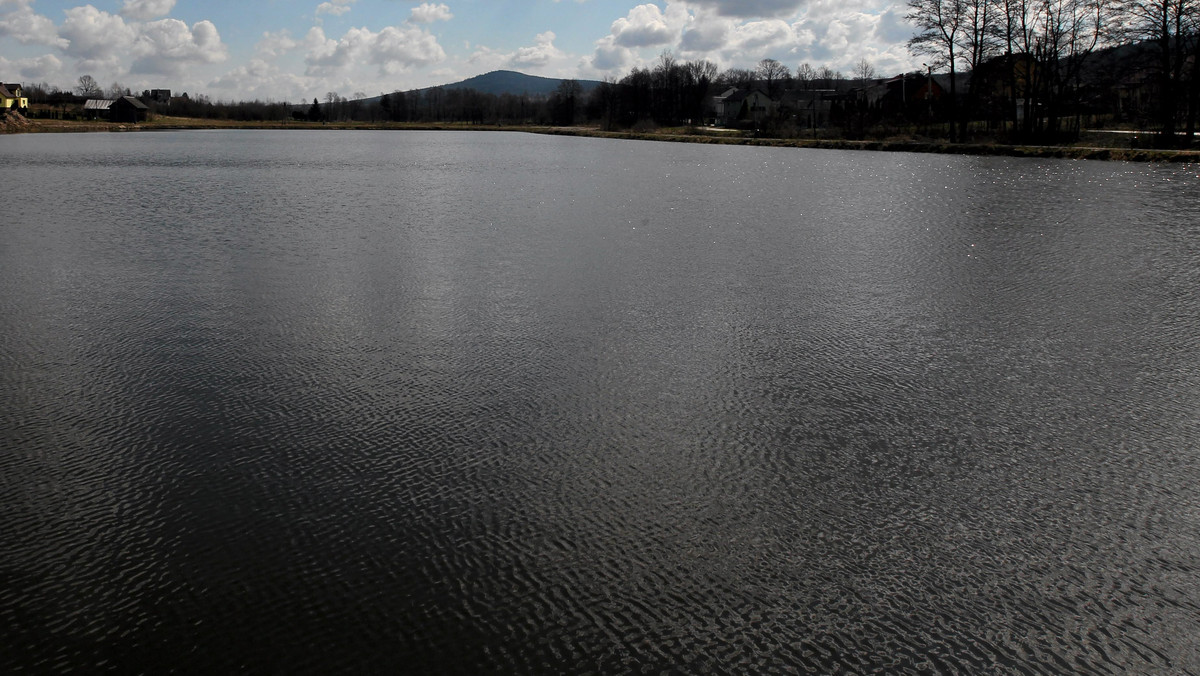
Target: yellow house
(10, 97)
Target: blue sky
(296, 50)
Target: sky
(297, 50)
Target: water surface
(481, 402)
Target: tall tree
(939, 24)
(737, 77)
(88, 87)
(864, 72)
(565, 101)
(699, 76)
(828, 77)
(773, 74)
(385, 107)
(1068, 33)
(1014, 37)
(977, 44)
(1172, 26)
(805, 74)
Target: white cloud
(610, 57)
(96, 39)
(704, 37)
(168, 46)
(28, 27)
(428, 12)
(393, 49)
(542, 57)
(330, 8)
(334, 7)
(138, 38)
(762, 37)
(46, 67)
(748, 9)
(102, 41)
(144, 10)
(260, 80)
(648, 26)
(642, 27)
(539, 55)
(398, 49)
(739, 34)
(274, 44)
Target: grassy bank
(1078, 152)
(1088, 149)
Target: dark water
(406, 402)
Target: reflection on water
(499, 402)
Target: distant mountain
(511, 82)
(500, 82)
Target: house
(125, 109)
(128, 109)
(1135, 93)
(95, 109)
(907, 95)
(743, 105)
(757, 106)
(720, 103)
(808, 107)
(11, 96)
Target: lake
(439, 402)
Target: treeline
(440, 104)
(47, 100)
(1034, 59)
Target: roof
(5, 93)
(737, 97)
(97, 104)
(806, 96)
(132, 101)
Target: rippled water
(438, 402)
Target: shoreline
(722, 138)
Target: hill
(500, 82)
(511, 82)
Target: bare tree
(1068, 31)
(978, 43)
(116, 90)
(828, 77)
(703, 70)
(565, 102)
(864, 72)
(1172, 27)
(939, 24)
(1014, 37)
(738, 77)
(805, 74)
(773, 73)
(88, 87)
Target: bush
(645, 126)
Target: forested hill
(511, 82)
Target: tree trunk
(1167, 91)
(1193, 98)
(953, 99)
